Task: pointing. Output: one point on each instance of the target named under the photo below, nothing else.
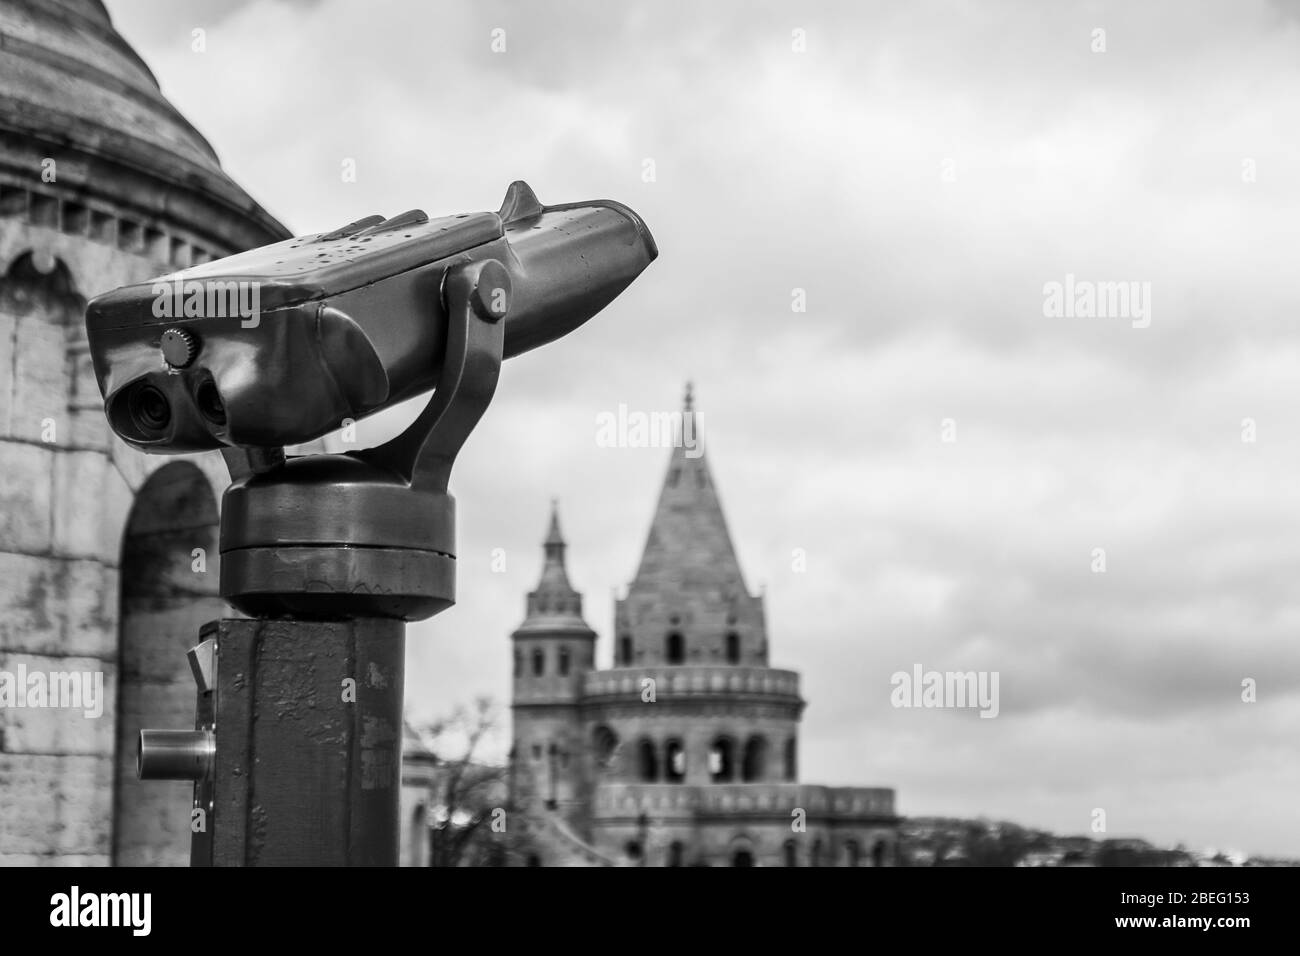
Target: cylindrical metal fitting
(175, 754)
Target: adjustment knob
(178, 348)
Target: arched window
(176, 504)
(733, 648)
(625, 649)
(791, 853)
(676, 651)
(742, 858)
(675, 851)
(754, 765)
(878, 853)
(791, 760)
(551, 776)
(564, 661)
(852, 853)
(816, 853)
(674, 761)
(539, 662)
(722, 760)
(647, 761)
(604, 743)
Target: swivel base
(333, 537)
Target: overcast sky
(921, 171)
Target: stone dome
(72, 90)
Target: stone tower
(688, 607)
(553, 649)
(686, 750)
(108, 558)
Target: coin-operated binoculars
(296, 751)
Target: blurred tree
(468, 825)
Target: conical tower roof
(689, 547)
(554, 605)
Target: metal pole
(313, 774)
(309, 768)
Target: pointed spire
(554, 539)
(555, 603)
(689, 546)
(553, 571)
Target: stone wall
(771, 825)
(67, 486)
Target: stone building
(686, 751)
(108, 557)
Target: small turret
(553, 650)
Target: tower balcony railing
(692, 680)
(620, 801)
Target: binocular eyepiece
(282, 344)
